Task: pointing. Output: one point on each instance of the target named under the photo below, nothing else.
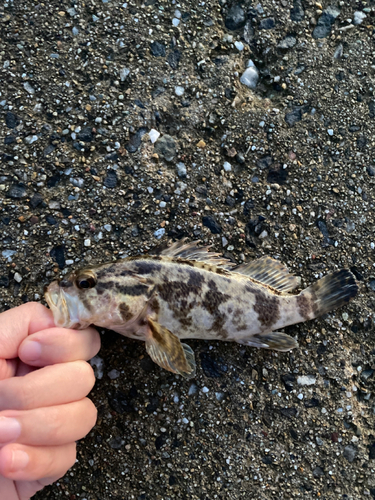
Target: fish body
(188, 292)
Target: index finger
(17, 323)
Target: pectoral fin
(167, 351)
(277, 341)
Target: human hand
(43, 408)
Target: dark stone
(212, 224)
(293, 116)
(120, 403)
(361, 142)
(172, 480)
(116, 442)
(147, 365)
(323, 229)
(354, 128)
(253, 229)
(51, 220)
(371, 451)
(264, 162)
(11, 120)
(9, 139)
(135, 140)
(48, 150)
(288, 412)
(366, 374)
(112, 156)
(160, 441)
(166, 147)
(153, 405)
(287, 43)
(312, 403)
(157, 49)
(230, 201)
(294, 434)
(66, 212)
(267, 460)
(57, 253)
(78, 146)
(4, 281)
(370, 170)
(267, 24)
(235, 18)
(318, 472)
(277, 174)
(5, 220)
(288, 381)
(85, 135)
(240, 158)
(229, 94)
(211, 367)
(371, 284)
(111, 179)
(297, 13)
(248, 206)
(371, 109)
(158, 91)
(325, 22)
(54, 180)
(350, 453)
(17, 191)
(174, 58)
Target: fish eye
(88, 282)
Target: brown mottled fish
(186, 292)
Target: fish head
(89, 297)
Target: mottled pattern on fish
(189, 293)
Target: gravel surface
(249, 126)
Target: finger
(59, 345)
(28, 463)
(16, 324)
(51, 426)
(8, 368)
(48, 386)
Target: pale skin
(43, 405)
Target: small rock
(159, 233)
(287, 43)
(250, 76)
(235, 18)
(153, 135)
(174, 58)
(239, 46)
(11, 120)
(135, 140)
(28, 88)
(201, 144)
(330, 132)
(113, 374)
(181, 170)
(111, 179)
(212, 224)
(297, 13)
(175, 22)
(306, 380)
(4, 281)
(124, 73)
(17, 277)
(318, 472)
(85, 135)
(212, 368)
(8, 254)
(267, 24)
(17, 191)
(293, 116)
(358, 17)
(350, 453)
(179, 91)
(57, 253)
(157, 49)
(30, 139)
(325, 22)
(166, 147)
(227, 166)
(265, 162)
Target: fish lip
(64, 307)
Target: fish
(187, 291)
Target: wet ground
(125, 125)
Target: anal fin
(278, 341)
(167, 351)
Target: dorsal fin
(269, 272)
(191, 251)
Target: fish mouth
(64, 307)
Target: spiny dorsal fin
(270, 272)
(191, 251)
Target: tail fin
(333, 291)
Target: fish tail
(331, 292)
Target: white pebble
(153, 135)
(175, 22)
(239, 45)
(159, 233)
(162, 204)
(97, 363)
(113, 374)
(227, 166)
(185, 421)
(150, 189)
(87, 242)
(205, 389)
(330, 131)
(124, 73)
(306, 380)
(224, 241)
(300, 396)
(18, 277)
(250, 76)
(179, 90)
(359, 17)
(108, 227)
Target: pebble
(11, 120)
(7, 254)
(97, 364)
(58, 254)
(297, 13)
(235, 18)
(212, 368)
(287, 43)
(166, 147)
(219, 396)
(87, 242)
(113, 374)
(175, 22)
(124, 73)
(159, 233)
(28, 88)
(108, 227)
(17, 191)
(193, 389)
(111, 179)
(205, 390)
(153, 135)
(179, 91)
(227, 166)
(85, 135)
(359, 17)
(350, 452)
(250, 76)
(239, 46)
(162, 204)
(293, 116)
(267, 24)
(212, 224)
(18, 277)
(157, 49)
(306, 380)
(181, 170)
(75, 31)
(330, 131)
(135, 140)
(325, 22)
